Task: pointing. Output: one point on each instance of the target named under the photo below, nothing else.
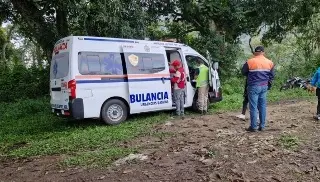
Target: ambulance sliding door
(148, 78)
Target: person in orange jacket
(179, 84)
(259, 71)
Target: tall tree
(47, 21)
(233, 18)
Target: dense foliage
(22, 83)
(290, 29)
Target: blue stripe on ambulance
(110, 40)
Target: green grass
(26, 133)
(211, 153)
(289, 142)
(29, 129)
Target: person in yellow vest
(202, 84)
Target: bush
(23, 83)
(233, 85)
(24, 108)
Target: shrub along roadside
(29, 129)
(23, 83)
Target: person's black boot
(251, 129)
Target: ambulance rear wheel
(114, 112)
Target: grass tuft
(289, 142)
(97, 158)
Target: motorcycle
(295, 82)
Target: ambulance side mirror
(216, 66)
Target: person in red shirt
(172, 72)
(178, 81)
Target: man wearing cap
(202, 84)
(260, 73)
(179, 84)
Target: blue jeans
(257, 100)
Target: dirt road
(209, 148)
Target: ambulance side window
(142, 63)
(100, 63)
(192, 61)
(192, 64)
(94, 64)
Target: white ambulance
(110, 78)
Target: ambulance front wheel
(114, 112)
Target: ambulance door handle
(162, 79)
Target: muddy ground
(209, 148)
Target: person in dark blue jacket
(316, 83)
(260, 73)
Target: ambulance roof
(119, 40)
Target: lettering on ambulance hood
(60, 46)
(147, 99)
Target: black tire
(119, 108)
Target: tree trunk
(8, 39)
(39, 57)
(48, 54)
(43, 31)
(61, 19)
(3, 58)
(251, 48)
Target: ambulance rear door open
(148, 77)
